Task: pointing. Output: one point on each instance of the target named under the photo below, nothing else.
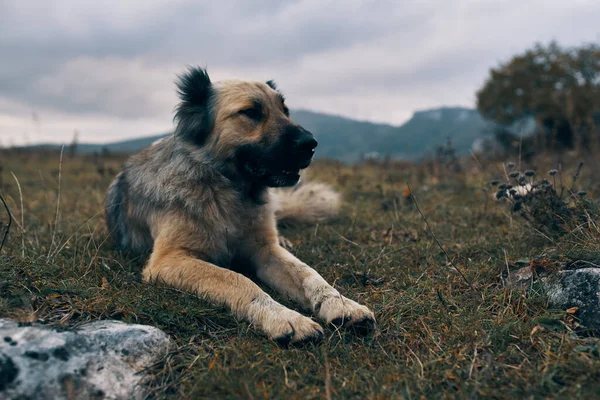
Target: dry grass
(437, 337)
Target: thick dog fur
(310, 202)
(201, 204)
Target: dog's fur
(200, 202)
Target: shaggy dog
(200, 202)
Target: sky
(107, 69)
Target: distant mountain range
(350, 140)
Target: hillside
(348, 140)
(429, 129)
(126, 146)
(343, 138)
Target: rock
(99, 360)
(520, 278)
(566, 288)
(577, 288)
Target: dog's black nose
(306, 142)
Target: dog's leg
(279, 269)
(177, 268)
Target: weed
(551, 208)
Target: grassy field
(447, 326)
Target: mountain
(342, 138)
(427, 130)
(349, 140)
(126, 146)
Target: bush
(549, 205)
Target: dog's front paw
(287, 326)
(291, 327)
(285, 243)
(341, 311)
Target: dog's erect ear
(193, 115)
(272, 84)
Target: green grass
(437, 337)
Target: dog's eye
(286, 111)
(252, 113)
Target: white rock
(101, 359)
(565, 289)
(577, 288)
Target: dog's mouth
(277, 166)
(273, 177)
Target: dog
(205, 201)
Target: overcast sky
(107, 68)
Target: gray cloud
(98, 65)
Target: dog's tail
(309, 202)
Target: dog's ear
(193, 114)
(272, 84)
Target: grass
(439, 334)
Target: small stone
(520, 278)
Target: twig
(59, 248)
(8, 225)
(96, 254)
(507, 267)
(473, 362)
(344, 238)
(505, 172)
(248, 392)
(436, 239)
(327, 379)
(576, 176)
(62, 149)
(562, 184)
(22, 215)
(478, 163)
(520, 144)
(587, 262)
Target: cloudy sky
(107, 68)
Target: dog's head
(244, 126)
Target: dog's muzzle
(281, 165)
